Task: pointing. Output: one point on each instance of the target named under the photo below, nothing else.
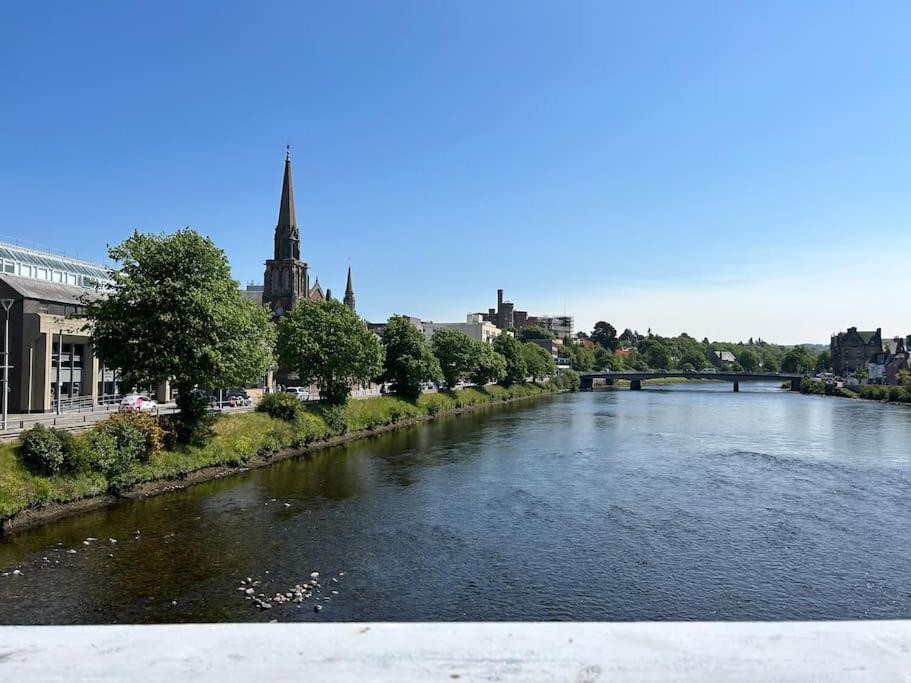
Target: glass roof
(51, 261)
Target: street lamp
(7, 304)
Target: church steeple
(349, 292)
(287, 237)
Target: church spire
(287, 238)
(349, 292)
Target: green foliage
(581, 357)
(489, 367)
(327, 344)
(456, 353)
(605, 335)
(44, 449)
(658, 357)
(174, 312)
(538, 363)
(748, 360)
(409, 361)
(281, 406)
(823, 361)
(797, 359)
(123, 426)
(608, 360)
(433, 404)
(565, 380)
(530, 332)
(507, 346)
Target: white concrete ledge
(869, 650)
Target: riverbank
(896, 395)
(239, 442)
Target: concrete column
(90, 372)
(163, 392)
(736, 385)
(635, 384)
(795, 384)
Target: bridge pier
(586, 383)
(795, 384)
(736, 385)
(635, 385)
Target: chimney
(499, 298)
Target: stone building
(287, 277)
(506, 317)
(851, 350)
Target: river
(676, 502)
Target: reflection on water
(671, 503)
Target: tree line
(631, 350)
(173, 312)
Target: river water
(676, 502)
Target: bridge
(636, 378)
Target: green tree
(748, 360)
(538, 363)
(511, 350)
(606, 360)
(861, 374)
(456, 353)
(605, 335)
(658, 357)
(173, 312)
(823, 361)
(581, 357)
(490, 366)
(409, 361)
(327, 344)
(534, 332)
(796, 360)
(904, 378)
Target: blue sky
(727, 169)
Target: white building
(474, 326)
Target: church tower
(286, 278)
(349, 292)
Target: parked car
(300, 392)
(138, 403)
(238, 397)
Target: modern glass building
(31, 263)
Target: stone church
(287, 277)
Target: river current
(677, 502)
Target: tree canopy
(456, 353)
(511, 350)
(173, 312)
(534, 332)
(490, 366)
(327, 344)
(538, 362)
(409, 361)
(605, 335)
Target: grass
(236, 440)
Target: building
(721, 359)
(287, 278)
(852, 349)
(474, 326)
(552, 346)
(50, 352)
(506, 317)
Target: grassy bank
(871, 392)
(236, 441)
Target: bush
(122, 426)
(309, 428)
(896, 393)
(281, 406)
(44, 449)
(113, 457)
(334, 415)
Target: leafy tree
(456, 353)
(748, 360)
(173, 312)
(511, 350)
(823, 361)
(490, 366)
(695, 359)
(327, 344)
(581, 357)
(605, 360)
(538, 363)
(409, 361)
(861, 374)
(658, 357)
(904, 378)
(628, 336)
(605, 335)
(797, 360)
(771, 363)
(534, 332)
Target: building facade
(474, 326)
(506, 317)
(851, 350)
(287, 277)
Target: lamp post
(7, 304)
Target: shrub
(433, 404)
(123, 425)
(112, 457)
(281, 406)
(308, 428)
(44, 449)
(334, 415)
(896, 393)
